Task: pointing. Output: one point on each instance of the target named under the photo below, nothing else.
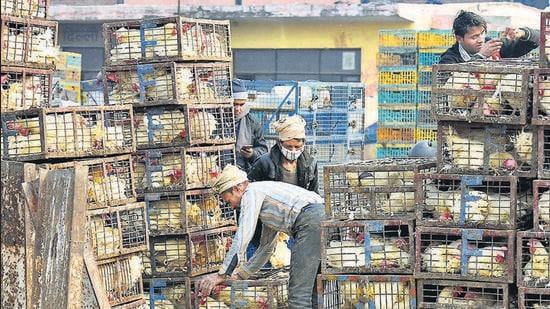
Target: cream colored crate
(462, 294)
(67, 132)
(33, 9)
(122, 281)
(25, 88)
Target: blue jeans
(305, 261)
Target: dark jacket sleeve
(451, 55)
(520, 47)
(262, 169)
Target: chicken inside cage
(109, 182)
(463, 295)
(22, 91)
(368, 292)
(535, 258)
(122, 278)
(353, 247)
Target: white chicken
(468, 84)
(537, 269)
(523, 143)
(491, 261)
(281, 257)
(469, 206)
(442, 258)
(165, 215)
(466, 149)
(450, 295)
(202, 125)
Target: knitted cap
(229, 177)
(291, 127)
(239, 90)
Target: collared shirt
(277, 204)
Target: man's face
(238, 106)
(233, 197)
(472, 40)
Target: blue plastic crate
(393, 150)
(397, 115)
(429, 58)
(424, 78)
(424, 95)
(397, 96)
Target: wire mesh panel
(363, 291)
(541, 97)
(92, 92)
(29, 43)
(110, 180)
(170, 126)
(453, 200)
(171, 292)
(24, 88)
(118, 230)
(122, 279)
(168, 169)
(488, 91)
(360, 247)
(334, 96)
(334, 149)
(462, 294)
(166, 39)
(189, 254)
(168, 83)
(264, 290)
(495, 149)
(275, 95)
(34, 9)
(67, 132)
(533, 259)
(541, 205)
(533, 298)
(372, 189)
(544, 152)
(186, 211)
(465, 254)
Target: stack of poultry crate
(397, 93)
(100, 138)
(533, 246)
(176, 73)
(367, 245)
(469, 213)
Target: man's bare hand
(490, 47)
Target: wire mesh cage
(92, 92)
(373, 247)
(110, 180)
(170, 126)
(118, 230)
(541, 205)
(465, 254)
(188, 254)
(172, 292)
(122, 279)
(364, 291)
(24, 88)
(186, 211)
(544, 47)
(490, 149)
(28, 43)
(67, 132)
(267, 289)
(168, 169)
(488, 91)
(533, 259)
(372, 189)
(462, 294)
(541, 97)
(168, 83)
(35, 9)
(166, 39)
(476, 201)
(533, 298)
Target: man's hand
(208, 283)
(490, 47)
(514, 33)
(246, 152)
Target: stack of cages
(533, 246)
(397, 62)
(470, 213)
(431, 44)
(176, 74)
(36, 128)
(334, 113)
(367, 242)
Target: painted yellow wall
(363, 35)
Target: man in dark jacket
(250, 142)
(287, 161)
(470, 31)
